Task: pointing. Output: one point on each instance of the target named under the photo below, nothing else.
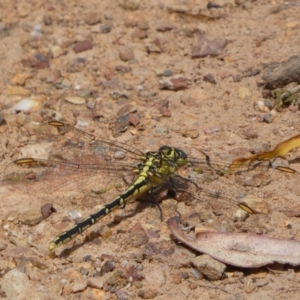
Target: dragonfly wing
(78, 165)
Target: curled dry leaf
(281, 150)
(240, 249)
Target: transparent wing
(77, 167)
(219, 197)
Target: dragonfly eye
(181, 159)
(181, 154)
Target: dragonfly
(81, 167)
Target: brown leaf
(281, 150)
(241, 249)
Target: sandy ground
(136, 72)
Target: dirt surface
(147, 73)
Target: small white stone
(25, 105)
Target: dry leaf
(240, 249)
(281, 150)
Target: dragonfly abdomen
(140, 186)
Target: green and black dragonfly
(80, 166)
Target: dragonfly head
(175, 155)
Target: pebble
(255, 180)
(15, 284)
(153, 48)
(122, 294)
(54, 76)
(249, 287)
(206, 47)
(120, 154)
(126, 53)
(87, 258)
(75, 100)
(76, 65)
(209, 131)
(161, 129)
(106, 28)
(198, 275)
(117, 94)
(250, 133)
(12, 215)
(26, 105)
(244, 92)
(3, 246)
(190, 131)
(107, 15)
(123, 69)
(47, 209)
(251, 72)
(294, 107)
(95, 28)
(30, 217)
(2, 119)
(18, 242)
(165, 112)
(167, 73)
(47, 19)
(57, 51)
(156, 278)
(159, 72)
(91, 104)
(143, 24)
(17, 91)
(138, 235)
(279, 162)
(267, 118)
(176, 278)
(147, 293)
(209, 78)
(24, 9)
(20, 78)
(164, 26)
(67, 290)
(84, 271)
(258, 204)
(37, 61)
(174, 83)
(139, 34)
(279, 74)
(209, 267)
(82, 46)
(74, 215)
(237, 78)
(40, 229)
(240, 215)
(133, 119)
(96, 282)
(260, 106)
(92, 18)
(104, 231)
(21, 118)
(6, 265)
(79, 285)
(130, 5)
(36, 32)
(107, 267)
